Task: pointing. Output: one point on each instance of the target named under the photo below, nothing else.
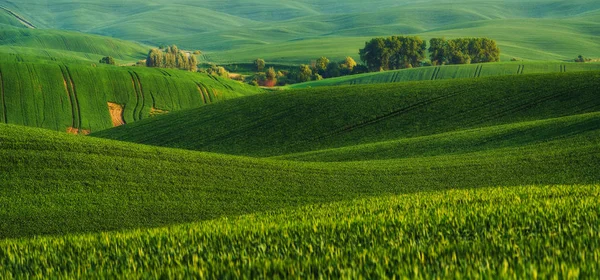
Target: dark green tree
(108, 60)
(260, 64)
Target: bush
(108, 60)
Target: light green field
(453, 72)
(298, 31)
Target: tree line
(399, 52)
(317, 70)
(172, 57)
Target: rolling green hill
(453, 72)
(83, 99)
(55, 183)
(67, 45)
(298, 31)
(333, 117)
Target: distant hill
(67, 45)
(297, 31)
(81, 99)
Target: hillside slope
(453, 72)
(55, 183)
(331, 117)
(67, 45)
(83, 99)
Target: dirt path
(19, 18)
(116, 114)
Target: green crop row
(510, 232)
(454, 72)
(59, 97)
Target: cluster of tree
(172, 57)
(396, 52)
(317, 70)
(463, 51)
(580, 58)
(108, 60)
(399, 52)
(216, 71)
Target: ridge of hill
(453, 72)
(333, 117)
(83, 99)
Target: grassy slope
(314, 119)
(522, 232)
(57, 96)
(462, 141)
(55, 183)
(67, 45)
(453, 72)
(297, 31)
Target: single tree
(260, 64)
(304, 74)
(348, 63)
(193, 63)
(321, 65)
(271, 74)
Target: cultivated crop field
(516, 232)
(454, 72)
(74, 97)
(120, 159)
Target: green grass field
(426, 201)
(67, 46)
(454, 72)
(333, 117)
(63, 96)
(485, 171)
(518, 232)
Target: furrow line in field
(141, 90)
(201, 92)
(80, 123)
(384, 117)
(534, 102)
(4, 114)
(69, 95)
(137, 97)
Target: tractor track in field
(199, 86)
(141, 90)
(137, 96)
(69, 95)
(384, 117)
(478, 71)
(80, 123)
(4, 114)
(22, 20)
